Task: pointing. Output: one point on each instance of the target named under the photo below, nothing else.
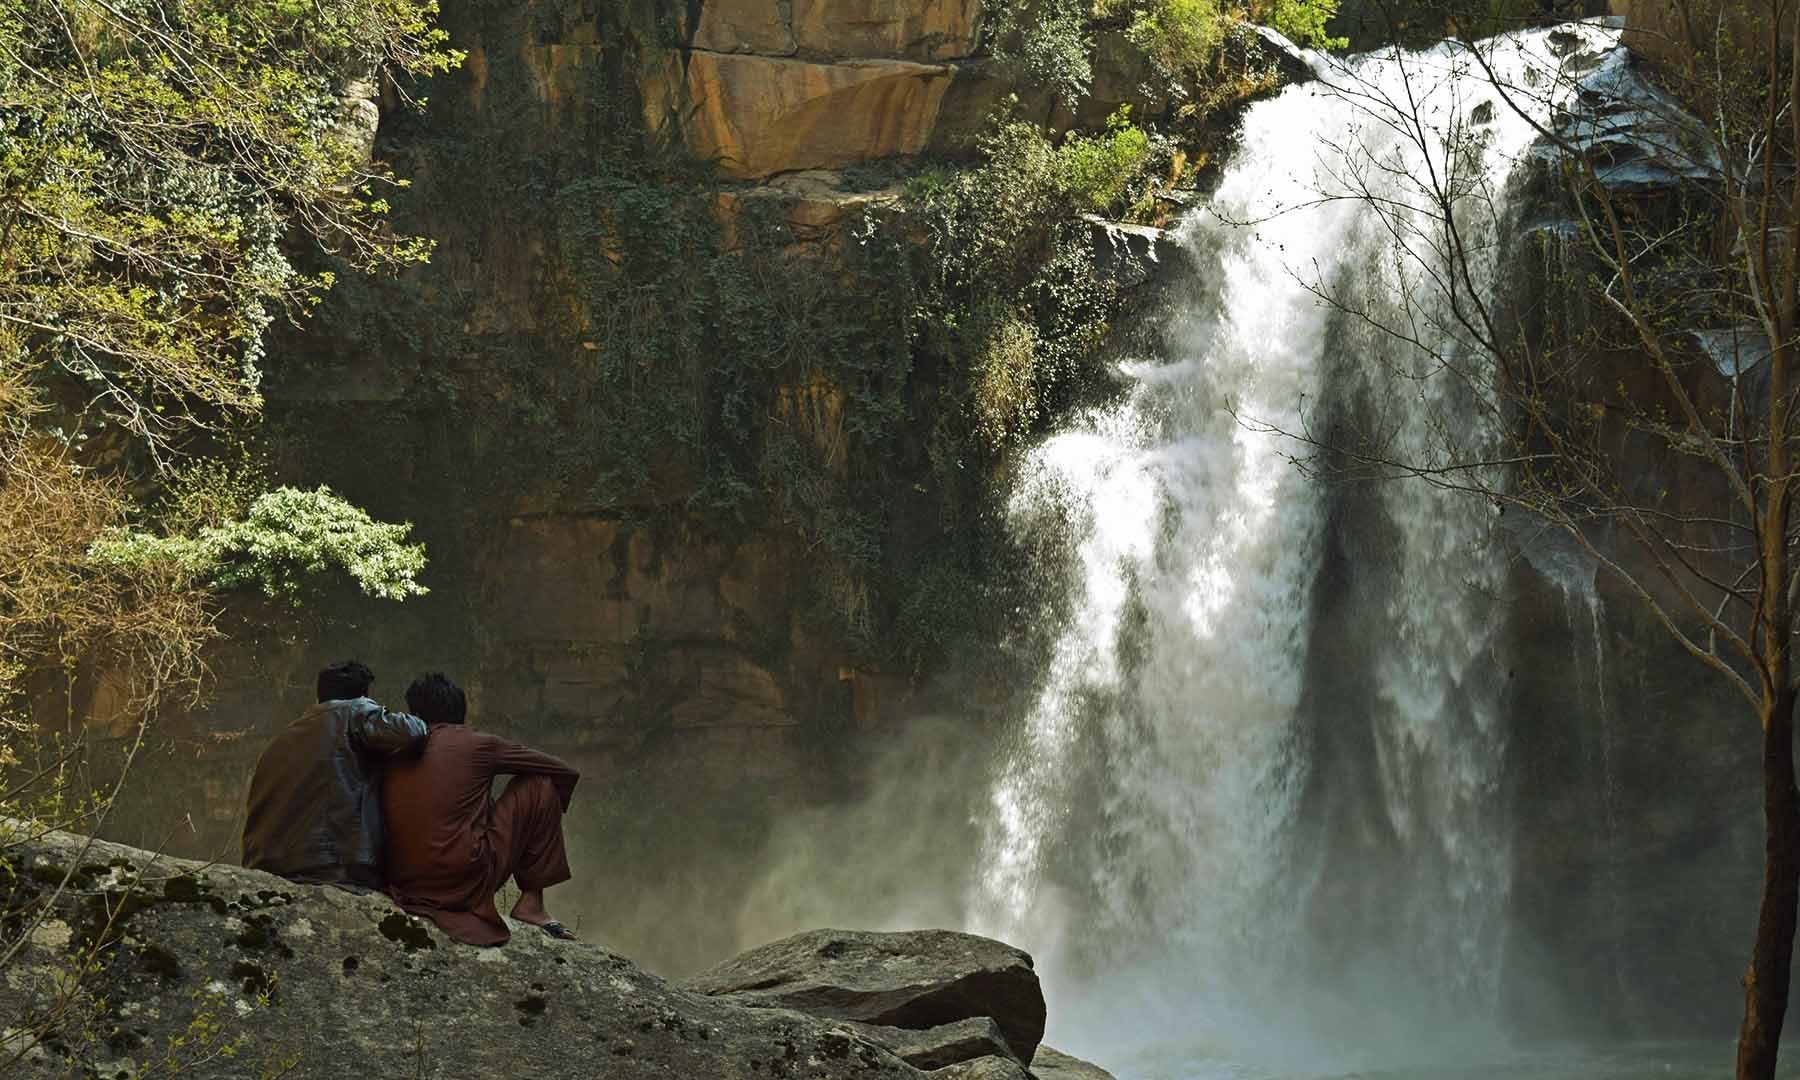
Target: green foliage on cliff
(1007, 290)
(1180, 35)
(1304, 21)
(286, 542)
(1050, 42)
(1098, 171)
(1047, 43)
(671, 350)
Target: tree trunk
(1766, 983)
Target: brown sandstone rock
(914, 29)
(761, 115)
(745, 26)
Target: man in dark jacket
(451, 844)
(315, 800)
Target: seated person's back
(443, 806)
(450, 845)
(313, 812)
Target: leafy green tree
(156, 156)
(282, 545)
(159, 161)
(162, 162)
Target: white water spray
(1146, 833)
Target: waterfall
(1252, 820)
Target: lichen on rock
(227, 972)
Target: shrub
(288, 539)
(1010, 298)
(1046, 44)
(1181, 36)
(1098, 170)
(1303, 21)
(1004, 349)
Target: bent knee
(534, 786)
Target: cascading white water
(1146, 837)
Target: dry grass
(137, 635)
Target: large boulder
(216, 971)
(920, 979)
(1295, 64)
(1130, 255)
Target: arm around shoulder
(386, 734)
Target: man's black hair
(436, 700)
(344, 680)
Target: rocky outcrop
(1625, 758)
(1130, 255)
(1296, 65)
(987, 1068)
(746, 26)
(760, 115)
(329, 983)
(227, 972)
(936, 1047)
(817, 205)
(1050, 1064)
(914, 980)
(932, 30)
(1637, 136)
(818, 84)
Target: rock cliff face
(1635, 771)
(224, 972)
(817, 84)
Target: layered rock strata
(817, 84)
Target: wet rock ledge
(224, 972)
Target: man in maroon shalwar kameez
(451, 845)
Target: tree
(159, 162)
(163, 165)
(1656, 317)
